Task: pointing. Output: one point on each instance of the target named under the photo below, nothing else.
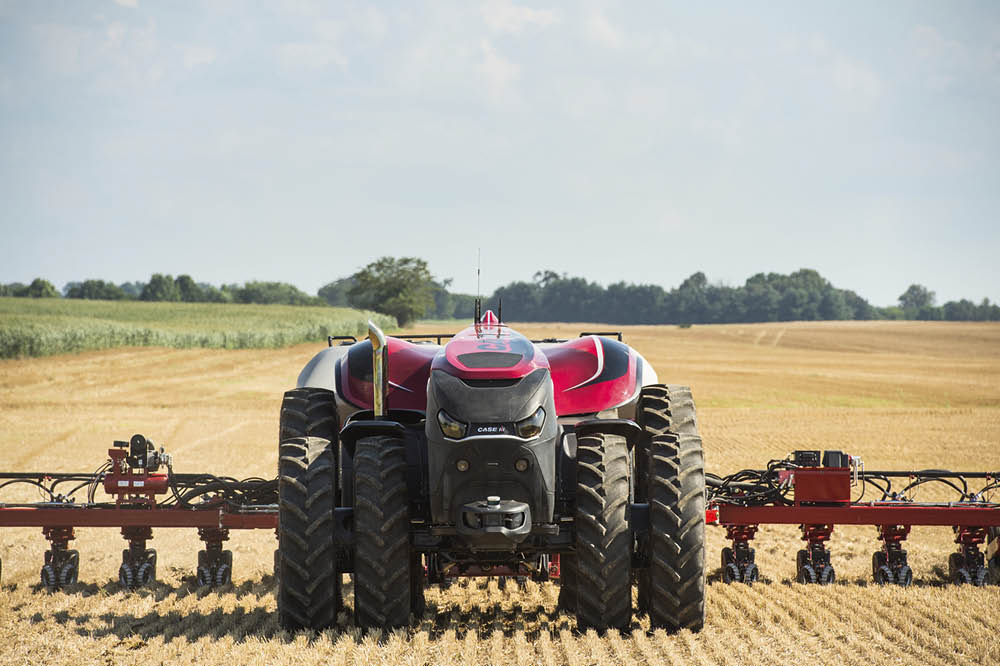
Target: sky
(637, 141)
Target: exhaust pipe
(380, 369)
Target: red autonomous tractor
(493, 455)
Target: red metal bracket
(817, 534)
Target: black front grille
(490, 383)
(489, 359)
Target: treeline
(436, 302)
(168, 288)
(801, 296)
(405, 289)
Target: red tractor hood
(589, 374)
(490, 352)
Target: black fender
(355, 430)
(403, 424)
(626, 428)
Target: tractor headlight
(450, 427)
(531, 426)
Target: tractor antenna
(500, 310)
(479, 296)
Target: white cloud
(726, 130)
(198, 55)
(941, 61)
(131, 4)
(116, 34)
(371, 23)
(582, 97)
(322, 49)
(598, 28)
(500, 74)
(930, 44)
(646, 100)
(311, 55)
(61, 46)
(505, 16)
(856, 78)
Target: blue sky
(638, 141)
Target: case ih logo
(493, 429)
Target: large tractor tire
(308, 580)
(653, 416)
(567, 583)
(309, 412)
(675, 581)
(383, 564)
(603, 540)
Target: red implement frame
(83, 516)
(892, 519)
(136, 512)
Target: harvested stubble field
(903, 395)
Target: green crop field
(40, 327)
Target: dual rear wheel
(388, 579)
(597, 580)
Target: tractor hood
(489, 351)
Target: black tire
(751, 574)
(884, 576)
(308, 580)
(730, 573)
(68, 574)
(955, 562)
(126, 576)
(222, 572)
(49, 578)
(308, 412)
(383, 586)
(677, 517)
(652, 414)
(146, 573)
(904, 576)
(603, 539)
(807, 575)
(827, 575)
(801, 559)
(879, 560)
(567, 583)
